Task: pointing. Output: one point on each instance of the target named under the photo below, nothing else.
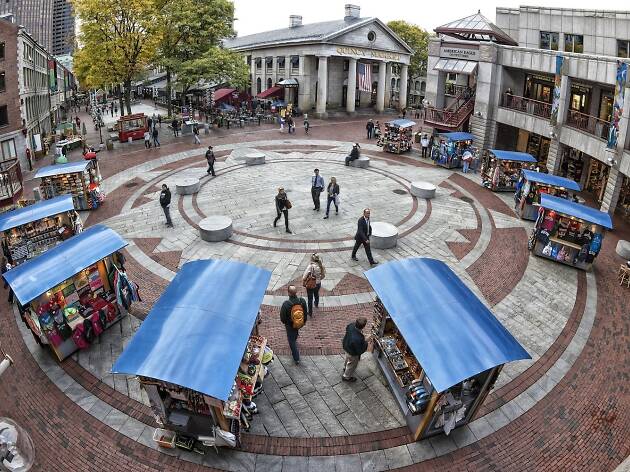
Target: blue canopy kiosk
(569, 232)
(533, 184)
(31, 230)
(73, 274)
(439, 347)
(397, 137)
(500, 169)
(78, 179)
(190, 348)
(449, 148)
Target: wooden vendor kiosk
(198, 355)
(440, 349)
(79, 179)
(73, 292)
(31, 230)
(500, 170)
(568, 232)
(532, 185)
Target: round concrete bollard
(423, 189)
(187, 186)
(384, 235)
(254, 159)
(215, 228)
(361, 163)
(623, 249)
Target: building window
(548, 40)
(258, 63)
(346, 65)
(258, 85)
(393, 83)
(268, 63)
(280, 61)
(375, 68)
(269, 83)
(1, 51)
(623, 48)
(4, 116)
(295, 63)
(2, 82)
(371, 36)
(8, 149)
(573, 43)
(423, 87)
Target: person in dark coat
(210, 158)
(369, 127)
(354, 344)
(285, 318)
(282, 208)
(354, 154)
(362, 237)
(165, 202)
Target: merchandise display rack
(398, 136)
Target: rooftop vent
(295, 20)
(352, 11)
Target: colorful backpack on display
(554, 251)
(562, 254)
(79, 338)
(596, 244)
(96, 324)
(547, 250)
(54, 337)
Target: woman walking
(282, 208)
(333, 196)
(312, 281)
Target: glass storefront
(539, 88)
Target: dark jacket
(333, 190)
(354, 342)
(155, 132)
(364, 231)
(210, 156)
(354, 154)
(369, 125)
(285, 310)
(281, 203)
(165, 197)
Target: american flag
(365, 77)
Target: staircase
(455, 115)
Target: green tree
(418, 40)
(190, 36)
(117, 41)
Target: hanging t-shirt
(549, 221)
(596, 244)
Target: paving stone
(442, 444)
(321, 463)
(398, 457)
(294, 463)
(374, 461)
(421, 451)
(348, 463)
(268, 463)
(289, 419)
(304, 412)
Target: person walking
(150, 123)
(467, 158)
(174, 124)
(160, 120)
(147, 139)
(332, 196)
(354, 344)
(290, 124)
(424, 142)
(282, 208)
(362, 237)
(404, 113)
(293, 317)
(195, 131)
(317, 187)
(312, 281)
(165, 203)
(211, 159)
(370, 128)
(306, 124)
(155, 134)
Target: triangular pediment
(372, 35)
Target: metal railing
(588, 123)
(10, 179)
(526, 105)
(448, 118)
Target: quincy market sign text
(346, 51)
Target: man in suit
(317, 187)
(364, 231)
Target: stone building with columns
(498, 82)
(316, 64)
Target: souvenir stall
(79, 179)
(68, 136)
(398, 136)
(198, 355)
(31, 230)
(439, 347)
(568, 232)
(449, 147)
(74, 291)
(532, 185)
(500, 170)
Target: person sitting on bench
(354, 154)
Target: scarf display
(126, 290)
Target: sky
(253, 16)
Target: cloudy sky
(254, 16)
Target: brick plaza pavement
(567, 409)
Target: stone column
(554, 158)
(322, 86)
(402, 94)
(611, 193)
(253, 72)
(388, 85)
(380, 89)
(352, 85)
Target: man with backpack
(354, 344)
(293, 317)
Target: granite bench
(384, 235)
(215, 228)
(423, 189)
(187, 185)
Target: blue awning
(37, 211)
(35, 276)
(458, 136)
(58, 169)
(197, 332)
(402, 123)
(552, 180)
(449, 330)
(578, 210)
(513, 156)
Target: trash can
(110, 145)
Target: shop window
(280, 61)
(2, 82)
(8, 149)
(574, 43)
(1, 51)
(623, 48)
(549, 40)
(4, 116)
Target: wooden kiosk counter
(440, 349)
